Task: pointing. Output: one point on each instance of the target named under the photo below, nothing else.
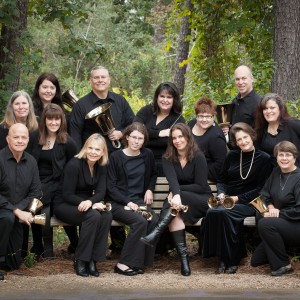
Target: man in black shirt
(245, 103)
(19, 184)
(80, 128)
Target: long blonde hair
(97, 137)
(9, 117)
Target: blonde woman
(83, 186)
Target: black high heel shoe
(80, 268)
(93, 269)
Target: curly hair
(171, 153)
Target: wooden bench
(160, 194)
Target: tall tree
(13, 20)
(183, 47)
(286, 48)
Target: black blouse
(284, 193)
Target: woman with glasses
(280, 226)
(158, 117)
(130, 184)
(209, 136)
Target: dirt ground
(58, 274)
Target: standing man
(245, 103)
(19, 184)
(80, 128)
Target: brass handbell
(35, 206)
(69, 99)
(224, 112)
(260, 205)
(175, 211)
(214, 202)
(142, 210)
(107, 207)
(40, 219)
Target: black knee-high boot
(165, 219)
(180, 243)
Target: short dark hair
(285, 146)
(240, 126)
(132, 127)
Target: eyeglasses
(139, 139)
(285, 155)
(207, 117)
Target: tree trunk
(11, 48)
(286, 81)
(182, 49)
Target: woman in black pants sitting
(83, 187)
(280, 226)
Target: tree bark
(182, 49)
(286, 52)
(11, 48)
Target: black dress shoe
(1, 276)
(93, 269)
(127, 272)
(138, 270)
(231, 269)
(281, 271)
(221, 268)
(81, 268)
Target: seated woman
(209, 136)
(83, 187)
(186, 171)
(244, 174)
(158, 117)
(280, 225)
(131, 181)
(52, 149)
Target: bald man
(245, 103)
(19, 184)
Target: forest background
(195, 43)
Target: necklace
(241, 165)
(283, 186)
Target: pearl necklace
(241, 165)
(283, 186)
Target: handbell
(35, 205)
(224, 112)
(107, 207)
(40, 219)
(259, 204)
(69, 98)
(175, 211)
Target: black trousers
(276, 234)
(222, 233)
(11, 238)
(134, 252)
(95, 225)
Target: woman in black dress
(280, 225)
(209, 136)
(158, 117)
(52, 149)
(245, 171)
(78, 204)
(273, 124)
(131, 182)
(186, 171)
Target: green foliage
(30, 260)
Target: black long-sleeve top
(117, 181)
(289, 131)
(61, 154)
(148, 117)
(80, 128)
(244, 108)
(213, 144)
(79, 185)
(192, 178)
(230, 182)
(284, 194)
(19, 181)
